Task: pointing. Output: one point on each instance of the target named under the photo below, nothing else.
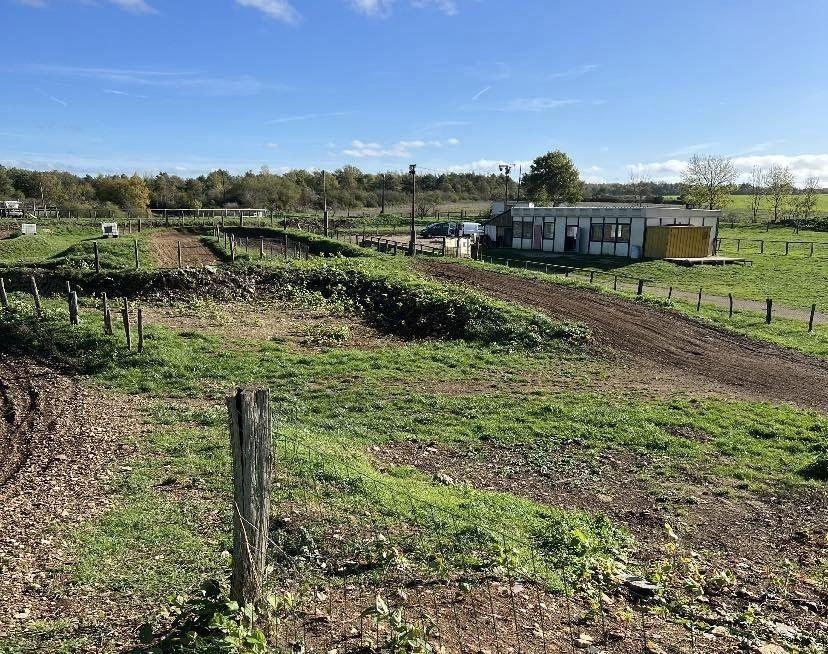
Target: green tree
(6, 186)
(554, 179)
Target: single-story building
(614, 231)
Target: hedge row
(317, 245)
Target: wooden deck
(709, 261)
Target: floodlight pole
(412, 169)
(507, 168)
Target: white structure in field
(614, 231)
(28, 229)
(109, 229)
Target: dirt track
(59, 444)
(164, 247)
(750, 368)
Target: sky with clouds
(187, 86)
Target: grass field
(548, 445)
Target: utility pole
(507, 168)
(382, 207)
(325, 203)
(413, 239)
(520, 180)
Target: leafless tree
(639, 186)
(806, 200)
(780, 187)
(708, 181)
(758, 190)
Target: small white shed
(109, 230)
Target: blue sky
(188, 86)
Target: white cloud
(574, 72)
(279, 9)
(481, 92)
(486, 166)
(134, 6)
(802, 166)
(382, 8)
(293, 119)
(123, 93)
(36, 4)
(594, 169)
(173, 80)
(361, 149)
(537, 104)
(271, 146)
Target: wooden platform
(709, 261)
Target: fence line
(811, 248)
(640, 285)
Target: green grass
(73, 247)
(793, 281)
(170, 527)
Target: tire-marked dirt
(60, 443)
(749, 367)
(164, 248)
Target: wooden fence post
(107, 316)
(251, 445)
(36, 295)
(4, 298)
(97, 256)
(140, 330)
(640, 287)
(125, 312)
(615, 283)
(261, 248)
(730, 300)
(179, 253)
(73, 308)
(670, 293)
(810, 322)
(698, 304)
(769, 314)
(135, 251)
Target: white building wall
(582, 219)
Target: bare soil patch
(61, 443)
(270, 319)
(749, 534)
(164, 248)
(663, 339)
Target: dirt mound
(746, 367)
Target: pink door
(537, 238)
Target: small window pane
(549, 229)
(595, 232)
(527, 229)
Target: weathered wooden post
(140, 330)
(179, 253)
(670, 293)
(251, 445)
(640, 287)
(730, 303)
(73, 308)
(810, 322)
(135, 252)
(4, 298)
(698, 304)
(97, 256)
(36, 295)
(286, 245)
(125, 312)
(107, 316)
(769, 312)
(232, 247)
(261, 248)
(615, 283)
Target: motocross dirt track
(748, 368)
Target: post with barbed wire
(4, 297)
(251, 446)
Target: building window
(549, 229)
(527, 228)
(609, 233)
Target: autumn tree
(708, 181)
(554, 179)
(639, 186)
(806, 200)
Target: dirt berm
(751, 368)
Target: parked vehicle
(437, 229)
(469, 229)
(10, 209)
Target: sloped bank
(396, 301)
